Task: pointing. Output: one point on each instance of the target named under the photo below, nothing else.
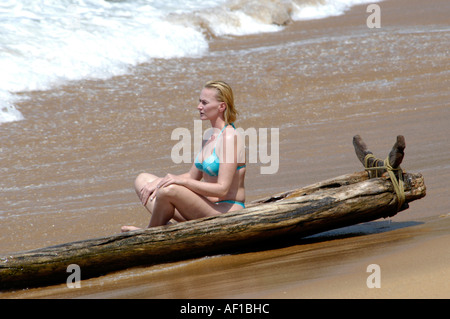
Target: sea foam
(46, 43)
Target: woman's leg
(140, 181)
(189, 205)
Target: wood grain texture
(334, 203)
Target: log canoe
(342, 201)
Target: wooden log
(338, 202)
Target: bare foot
(125, 229)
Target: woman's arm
(217, 189)
(194, 173)
(148, 192)
(228, 166)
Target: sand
(320, 82)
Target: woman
(215, 182)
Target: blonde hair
(224, 94)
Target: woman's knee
(168, 192)
(142, 179)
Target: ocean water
(48, 43)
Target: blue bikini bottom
(232, 202)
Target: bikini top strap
(214, 150)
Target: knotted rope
(397, 182)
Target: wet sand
(71, 163)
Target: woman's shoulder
(230, 133)
(232, 136)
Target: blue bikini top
(211, 164)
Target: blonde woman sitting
(215, 182)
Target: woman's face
(208, 106)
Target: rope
(397, 182)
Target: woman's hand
(148, 192)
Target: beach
(68, 168)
